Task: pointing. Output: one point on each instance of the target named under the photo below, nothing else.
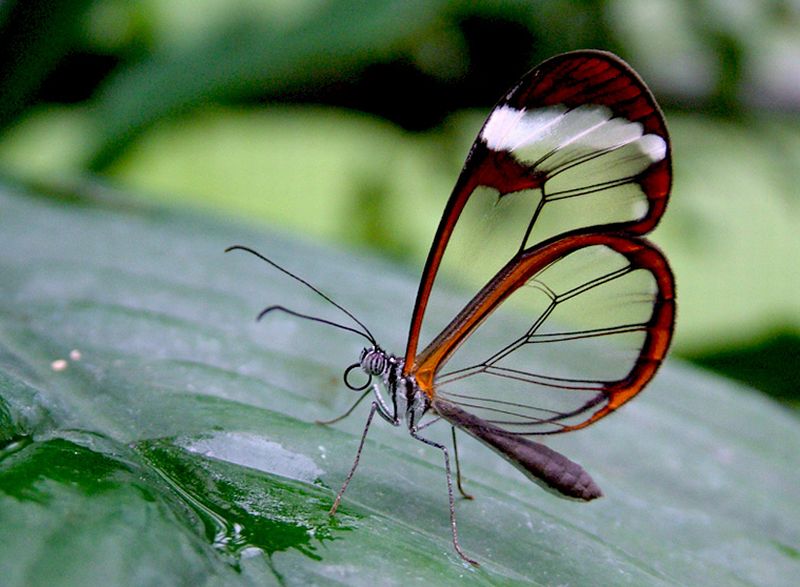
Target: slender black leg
(463, 493)
(428, 423)
(453, 526)
(347, 413)
(355, 462)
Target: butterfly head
(373, 360)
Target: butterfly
(570, 169)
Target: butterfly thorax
(397, 396)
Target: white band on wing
(533, 136)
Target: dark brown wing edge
(602, 78)
(544, 466)
(572, 79)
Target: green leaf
(174, 443)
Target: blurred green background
(348, 121)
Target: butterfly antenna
(286, 310)
(366, 333)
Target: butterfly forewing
(574, 159)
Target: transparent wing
(578, 146)
(600, 311)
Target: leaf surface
(178, 445)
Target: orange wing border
(640, 253)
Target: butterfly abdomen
(546, 467)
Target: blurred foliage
(349, 120)
(763, 365)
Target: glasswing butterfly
(575, 163)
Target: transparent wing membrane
(588, 327)
(494, 229)
(571, 167)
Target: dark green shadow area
(31, 472)
(68, 503)
(83, 495)
(770, 365)
(241, 508)
(234, 507)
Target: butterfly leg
(450, 496)
(463, 493)
(355, 462)
(347, 413)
